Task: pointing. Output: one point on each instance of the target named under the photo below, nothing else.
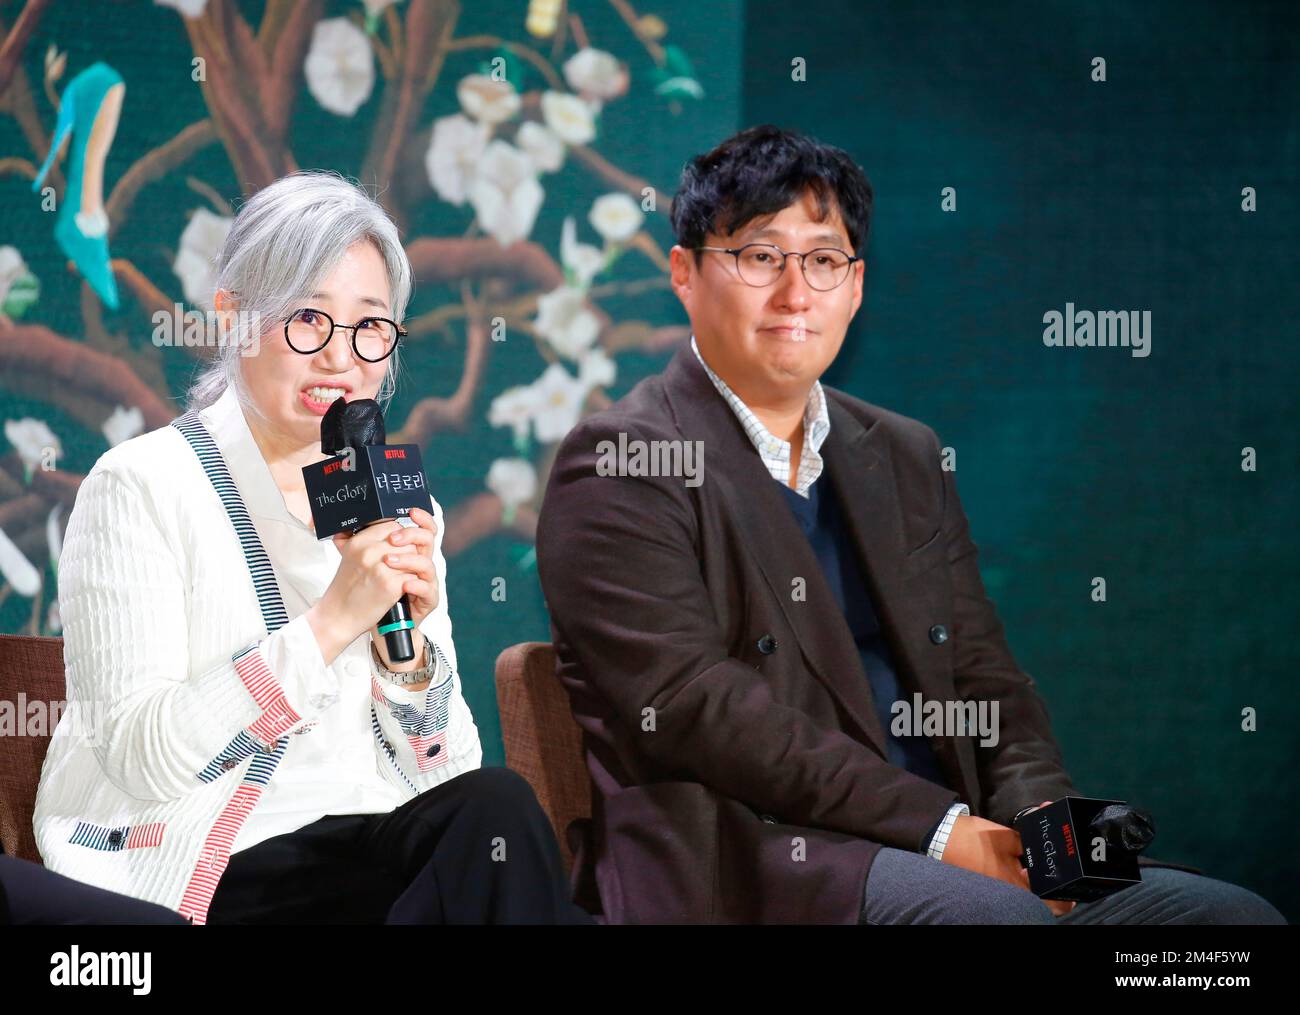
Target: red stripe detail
(277, 716)
(215, 855)
(257, 678)
(421, 747)
(145, 835)
(275, 721)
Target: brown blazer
(738, 766)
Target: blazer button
(938, 634)
(767, 644)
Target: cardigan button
(767, 644)
(433, 750)
(115, 838)
(938, 634)
(228, 764)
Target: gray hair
(284, 241)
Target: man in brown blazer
(748, 572)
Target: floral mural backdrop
(527, 149)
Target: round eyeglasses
(373, 338)
(761, 264)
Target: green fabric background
(1075, 463)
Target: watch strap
(417, 676)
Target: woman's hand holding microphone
(379, 563)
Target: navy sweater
(822, 521)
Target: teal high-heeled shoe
(88, 110)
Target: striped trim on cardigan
(426, 732)
(264, 741)
(123, 837)
(259, 565)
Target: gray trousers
(905, 887)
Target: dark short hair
(759, 172)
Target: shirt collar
(816, 427)
(228, 426)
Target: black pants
(476, 849)
(32, 896)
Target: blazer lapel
(735, 472)
(858, 461)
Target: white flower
(122, 425)
(199, 245)
(596, 369)
(595, 74)
(188, 8)
(543, 147)
(30, 437)
(569, 116)
(453, 156)
(486, 99)
(53, 535)
(565, 321)
(377, 7)
(514, 407)
(53, 621)
(560, 396)
(584, 260)
(514, 480)
(12, 268)
(17, 569)
(340, 67)
(616, 217)
(505, 193)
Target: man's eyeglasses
(373, 338)
(761, 264)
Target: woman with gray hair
(241, 747)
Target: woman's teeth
(325, 394)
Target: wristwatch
(424, 673)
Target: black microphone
(1081, 848)
(359, 424)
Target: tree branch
(17, 99)
(153, 165)
(145, 291)
(478, 517)
(431, 414)
(77, 374)
(429, 27)
(18, 167)
(250, 101)
(623, 180)
(446, 259)
(526, 52)
(12, 50)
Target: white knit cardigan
(179, 701)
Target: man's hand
(993, 850)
